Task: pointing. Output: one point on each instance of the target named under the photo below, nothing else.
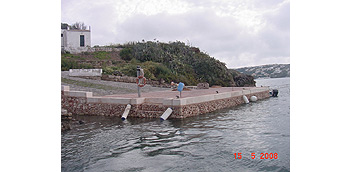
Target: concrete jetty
(152, 105)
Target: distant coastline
(267, 71)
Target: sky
(238, 32)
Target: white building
(75, 41)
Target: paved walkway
(173, 94)
(129, 90)
(101, 87)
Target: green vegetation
(64, 25)
(126, 54)
(152, 70)
(101, 55)
(176, 61)
(74, 26)
(67, 64)
(73, 56)
(172, 61)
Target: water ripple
(203, 143)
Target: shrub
(126, 54)
(129, 70)
(67, 64)
(108, 70)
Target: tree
(126, 54)
(64, 25)
(78, 26)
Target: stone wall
(206, 107)
(77, 49)
(83, 103)
(108, 49)
(127, 79)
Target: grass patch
(67, 64)
(102, 55)
(71, 56)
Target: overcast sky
(237, 32)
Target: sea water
(249, 137)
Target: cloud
(101, 18)
(200, 25)
(239, 33)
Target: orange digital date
(262, 155)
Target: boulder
(203, 85)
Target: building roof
(76, 30)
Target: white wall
(62, 38)
(71, 40)
(86, 72)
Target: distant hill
(267, 71)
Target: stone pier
(153, 104)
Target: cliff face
(265, 71)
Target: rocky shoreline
(66, 120)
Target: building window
(81, 40)
(62, 35)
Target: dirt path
(101, 87)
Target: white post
(127, 110)
(245, 99)
(166, 114)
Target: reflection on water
(203, 143)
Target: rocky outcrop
(66, 119)
(244, 81)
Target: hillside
(165, 62)
(264, 71)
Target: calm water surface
(203, 143)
